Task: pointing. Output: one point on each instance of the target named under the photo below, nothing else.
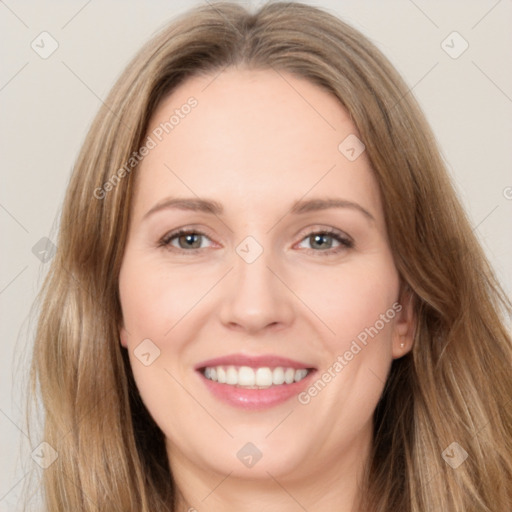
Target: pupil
(320, 239)
(191, 241)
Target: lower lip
(256, 399)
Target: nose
(256, 298)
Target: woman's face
(260, 337)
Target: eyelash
(344, 241)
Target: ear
(123, 336)
(405, 324)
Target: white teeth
(278, 376)
(289, 375)
(231, 376)
(245, 376)
(264, 377)
(300, 374)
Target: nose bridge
(255, 297)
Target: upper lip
(253, 361)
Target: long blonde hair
(454, 387)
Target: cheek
(360, 306)
(153, 302)
(154, 299)
(158, 306)
(358, 302)
(353, 299)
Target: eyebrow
(313, 205)
(215, 208)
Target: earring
(402, 345)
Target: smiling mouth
(254, 378)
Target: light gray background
(48, 104)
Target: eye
(327, 241)
(187, 240)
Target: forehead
(260, 137)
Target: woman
(266, 294)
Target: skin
(257, 142)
